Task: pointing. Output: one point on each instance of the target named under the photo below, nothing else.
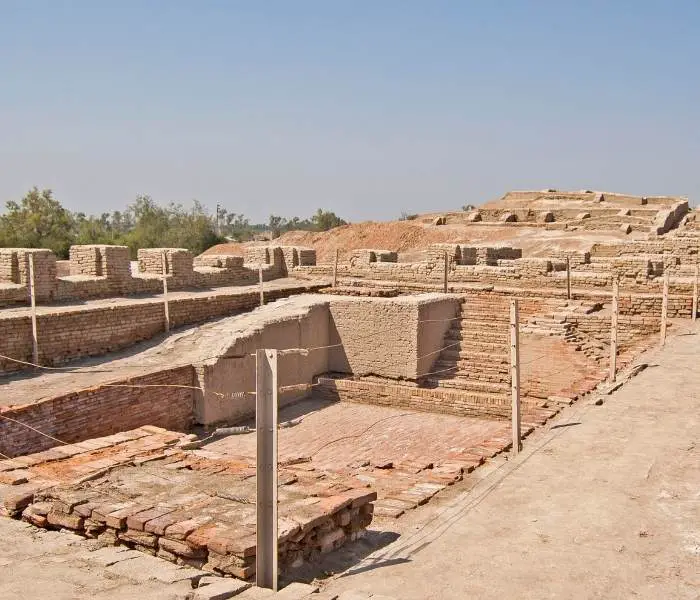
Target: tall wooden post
(266, 468)
(262, 287)
(515, 374)
(694, 314)
(31, 283)
(335, 269)
(568, 278)
(664, 308)
(447, 260)
(164, 269)
(613, 327)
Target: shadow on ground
(345, 558)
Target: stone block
(219, 590)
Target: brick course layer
(99, 412)
(67, 335)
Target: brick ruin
(99, 271)
(103, 451)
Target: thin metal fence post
(446, 269)
(694, 314)
(335, 269)
(31, 282)
(266, 469)
(613, 328)
(164, 268)
(568, 278)
(515, 374)
(262, 287)
(664, 307)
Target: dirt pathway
(605, 503)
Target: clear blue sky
(367, 108)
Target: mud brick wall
(650, 306)
(99, 412)
(257, 254)
(460, 403)
(80, 332)
(382, 336)
(85, 260)
(304, 325)
(97, 271)
(9, 266)
(307, 256)
(576, 258)
(221, 261)
(487, 255)
(178, 263)
(436, 253)
(14, 270)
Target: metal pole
(262, 288)
(664, 308)
(335, 269)
(613, 328)
(266, 468)
(164, 268)
(568, 278)
(515, 375)
(31, 283)
(446, 268)
(694, 314)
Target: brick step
(471, 366)
(470, 385)
(485, 358)
(477, 323)
(494, 316)
(480, 344)
(490, 336)
(549, 321)
(469, 397)
(496, 332)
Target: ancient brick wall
(100, 411)
(102, 271)
(457, 402)
(80, 331)
(299, 323)
(380, 336)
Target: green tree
(325, 220)
(37, 221)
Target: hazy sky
(368, 108)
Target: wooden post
(515, 375)
(664, 308)
(694, 314)
(613, 328)
(31, 283)
(568, 278)
(266, 468)
(164, 268)
(447, 260)
(335, 269)
(262, 287)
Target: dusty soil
(410, 237)
(603, 503)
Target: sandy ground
(411, 238)
(603, 503)
(38, 564)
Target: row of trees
(40, 221)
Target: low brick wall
(460, 403)
(100, 411)
(71, 334)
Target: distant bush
(468, 207)
(407, 217)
